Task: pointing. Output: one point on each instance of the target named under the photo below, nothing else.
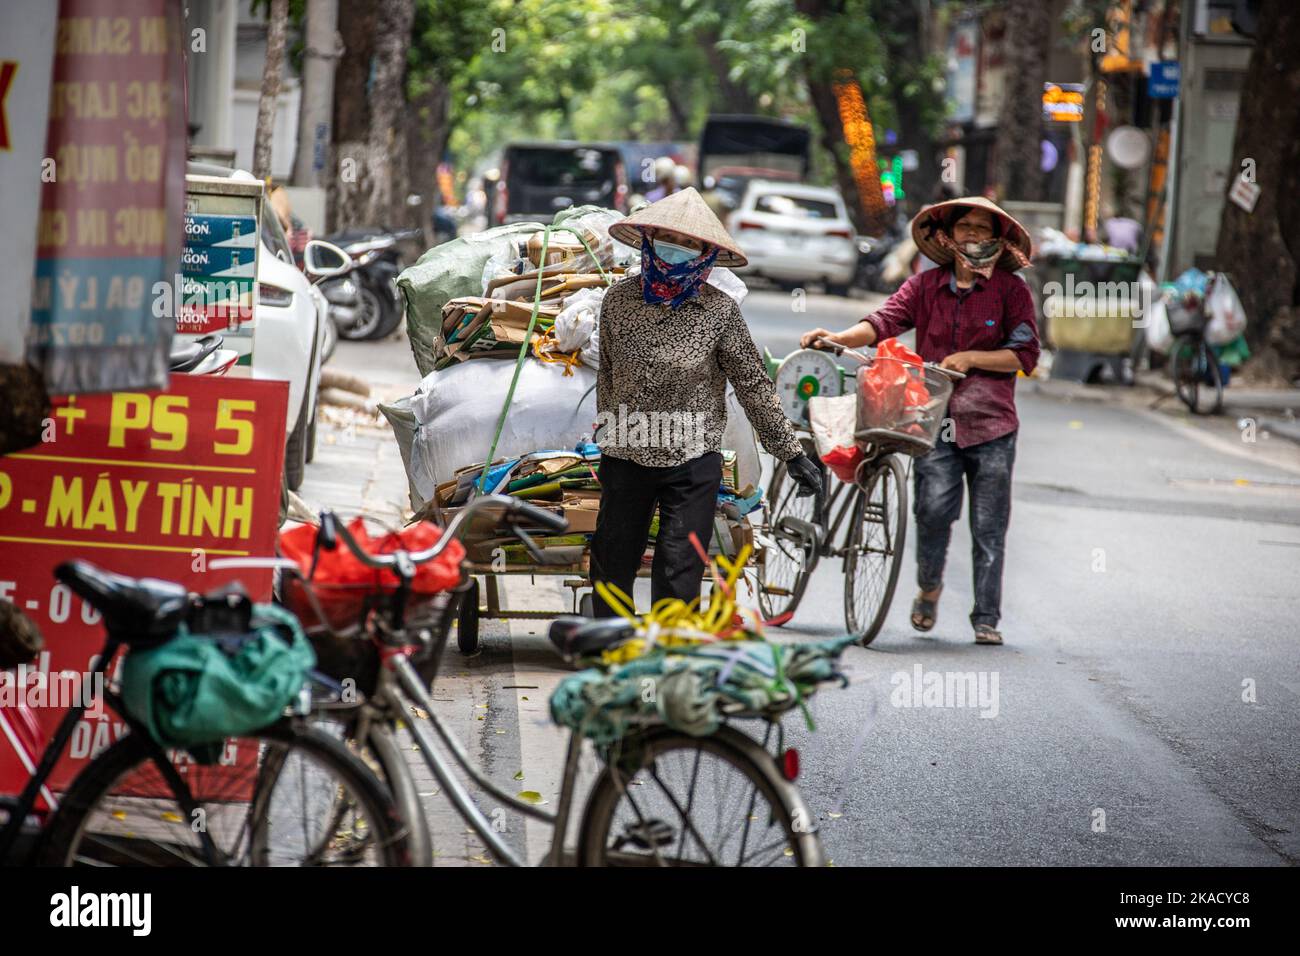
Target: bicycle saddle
(136, 610)
(580, 636)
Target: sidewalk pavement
(1276, 411)
(496, 701)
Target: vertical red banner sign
(112, 197)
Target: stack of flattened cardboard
(477, 327)
(568, 483)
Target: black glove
(807, 475)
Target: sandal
(925, 609)
(987, 634)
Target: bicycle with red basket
(898, 406)
(378, 612)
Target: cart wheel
(587, 605)
(467, 619)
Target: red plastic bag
(891, 386)
(341, 567)
(843, 462)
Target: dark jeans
(986, 469)
(687, 496)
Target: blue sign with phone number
(1162, 84)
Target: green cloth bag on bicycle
(196, 690)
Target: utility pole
(315, 114)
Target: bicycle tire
(63, 838)
(864, 627)
(777, 601)
(1182, 355)
(397, 775)
(1216, 378)
(785, 802)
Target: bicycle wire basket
(901, 406)
(337, 620)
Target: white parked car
(793, 233)
(289, 336)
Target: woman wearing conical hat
(974, 315)
(669, 344)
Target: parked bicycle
(287, 794)
(872, 509)
(1193, 366)
(662, 797)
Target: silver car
(792, 233)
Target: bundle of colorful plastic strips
(693, 689)
(675, 623)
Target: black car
(539, 179)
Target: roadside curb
(1276, 412)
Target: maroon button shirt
(991, 315)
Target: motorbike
(878, 255)
(363, 304)
(203, 356)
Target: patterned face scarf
(662, 282)
(983, 258)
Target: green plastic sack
(446, 272)
(191, 693)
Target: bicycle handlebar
(404, 562)
(826, 345)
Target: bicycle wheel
(383, 756)
(783, 568)
(287, 795)
(1183, 359)
(874, 552)
(674, 800)
(1213, 378)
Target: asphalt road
(1147, 704)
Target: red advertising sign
(148, 484)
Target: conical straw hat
(684, 211)
(933, 218)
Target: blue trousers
(936, 504)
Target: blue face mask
(674, 254)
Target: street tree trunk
(729, 96)
(903, 28)
(386, 141)
(315, 113)
(1260, 250)
(428, 120)
(348, 183)
(1017, 150)
(276, 28)
(868, 212)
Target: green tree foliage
(650, 69)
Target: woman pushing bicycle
(973, 315)
(669, 343)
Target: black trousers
(687, 497)
(986, 470)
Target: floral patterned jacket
(661, 386)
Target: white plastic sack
(1159, 336)
(1227, 317)
(833, 420)
(738, 435)
(590, 354)
(577, 321)
(457, 411)
(728, 282)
